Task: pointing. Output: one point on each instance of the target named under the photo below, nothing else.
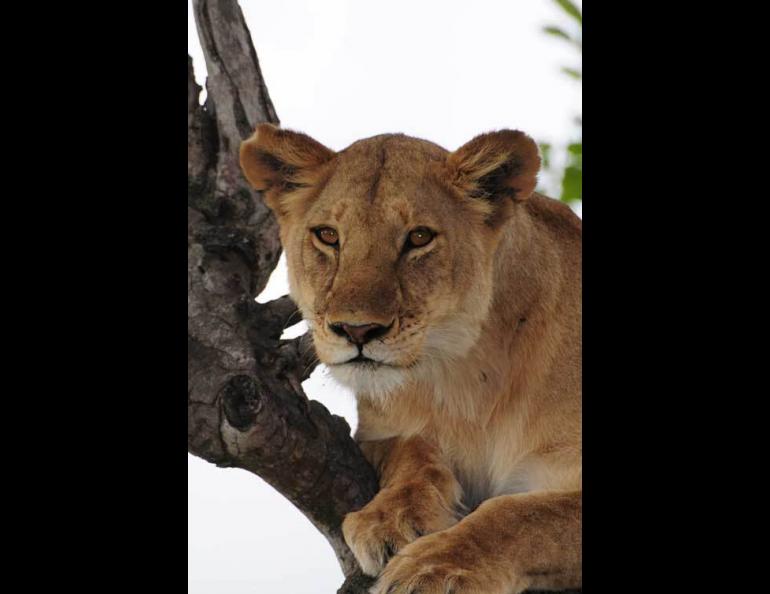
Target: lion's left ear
(496, 165)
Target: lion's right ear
(277, 161)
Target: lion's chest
(486, 467)
(487, 460)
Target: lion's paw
(396, 517)
(441, 564)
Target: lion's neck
(496, 372)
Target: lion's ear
(278, 161)
(496, 166)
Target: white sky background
(341, 70)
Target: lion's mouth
(361, 361)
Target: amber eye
(420, 237)
(327, 235)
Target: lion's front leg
(509, 544)
(418, 495)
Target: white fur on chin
(377, 382)
(444, 344)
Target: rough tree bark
(246, 406)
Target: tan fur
(472, 415)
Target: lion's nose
(359, 334)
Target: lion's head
(390, 242)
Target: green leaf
(571, 10)
(557, 32)
(572, 184)
(545, 150)
(562, 34)
(575, 156)
(576, 74)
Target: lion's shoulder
(555, 215)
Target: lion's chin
(375, 380)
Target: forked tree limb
(246, 406)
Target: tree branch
(246, 407)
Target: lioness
(447, 294)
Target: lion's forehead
(384, 190)
(387, 161)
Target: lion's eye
(327, 235)
(420, 237)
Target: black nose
(359, 334)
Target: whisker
(313, 362)
(286, 323)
